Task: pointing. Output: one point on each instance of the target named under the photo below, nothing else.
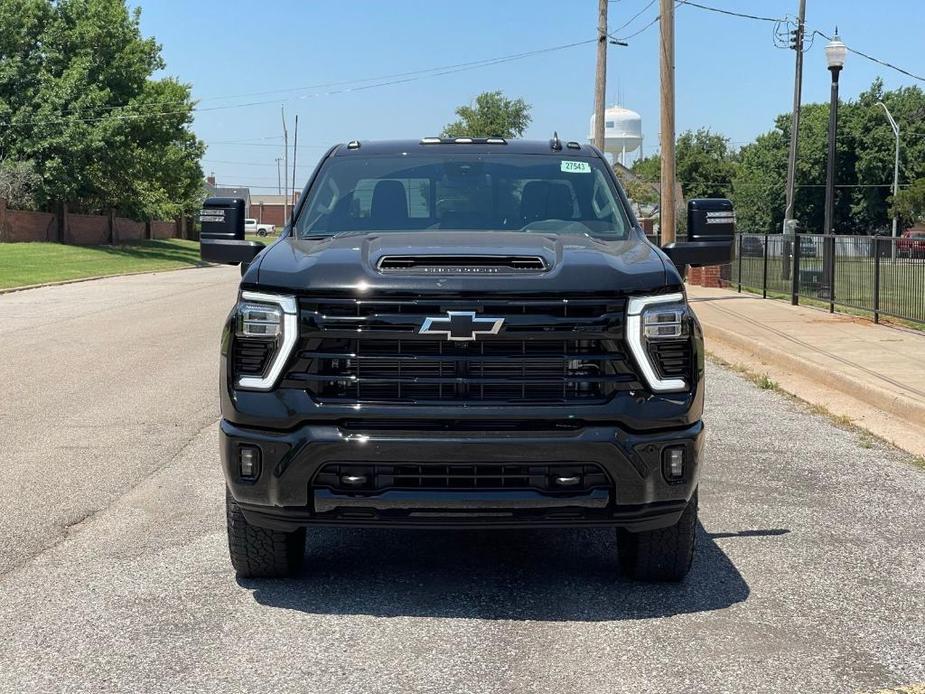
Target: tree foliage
(18, 184)
(863, 166)
(493, 115)
(77, 99)
(909, 204)
(755, 176)
(706, 165)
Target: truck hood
(576, 264)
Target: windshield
(512, 192)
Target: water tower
(622, 132)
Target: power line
(816, 32)
(730, 12)
(399, 78)
(632, 19)
(250, 163)
(637, 33)
(246, 140)
(261, 144)
(875, 60)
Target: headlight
(259, 320)
(267, 325)
(653, 324)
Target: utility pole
(600, 79)
(295, 151)
(285, 167)
(789, 223)
(279, 178)
(667, 207)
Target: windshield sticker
(576, 167)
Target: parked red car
(911, 244)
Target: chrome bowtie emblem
(461, 326)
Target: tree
(493, 115)
(909, 204)
(77, 98)
(705, 164)
(18, 183)
(864, 165)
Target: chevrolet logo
(461, 326)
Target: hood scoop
(462, 264)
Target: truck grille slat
(485, 476)
(550, 351)
(672, 359)
(252, 356)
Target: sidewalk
(872, 374)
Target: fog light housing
(673, 463)
(249, 462)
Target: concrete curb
(10, 290)
(896, 404)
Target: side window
(602, 201)
(317, 216)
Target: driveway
(808, 575)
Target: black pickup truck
(463, 333)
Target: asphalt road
(808, 576)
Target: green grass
(24, 264)
(902, 286)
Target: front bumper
(637, 497)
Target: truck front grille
(359, 477)
(548, 351)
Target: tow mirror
(221, 239)
(711, 228)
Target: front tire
(260, 552)
(660, 555)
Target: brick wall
(128, 230)
(269, 214)
(86, 230)
(163, 230)
(711, 276)
(18, 226)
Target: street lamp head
(835, 53)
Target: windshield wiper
(338, 235)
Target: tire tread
(664, 554)
(261, 552)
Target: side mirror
(221, 239)
(711, 228)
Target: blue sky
(730, 77)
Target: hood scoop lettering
(462, 264)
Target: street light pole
(835, 53)
(895, 126)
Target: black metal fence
(880, 275)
